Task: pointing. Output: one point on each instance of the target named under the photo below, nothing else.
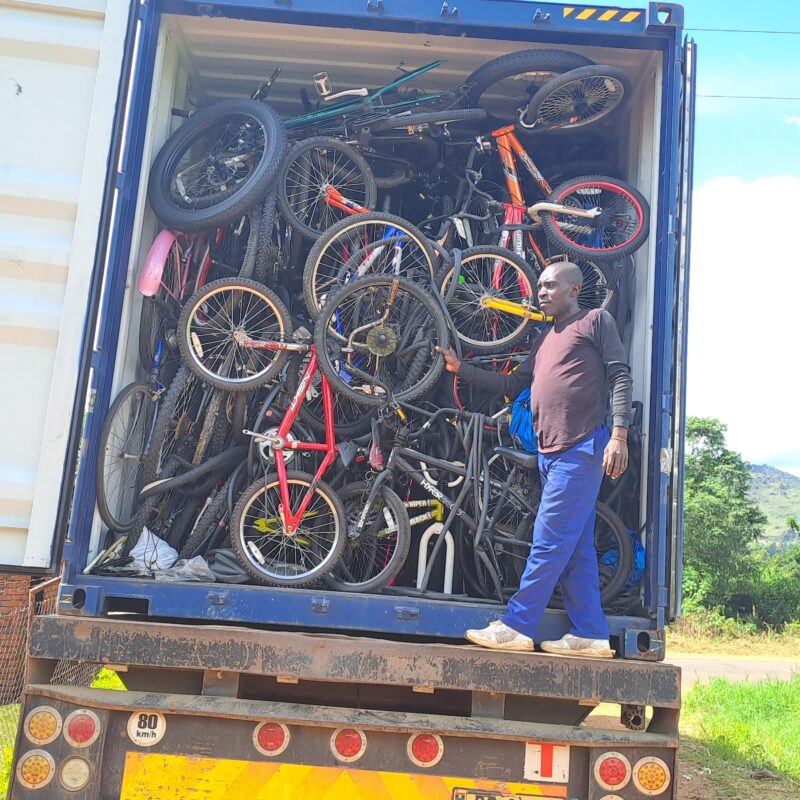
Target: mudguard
(153, 267)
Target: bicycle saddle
(518, 457)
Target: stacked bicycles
(295, 416)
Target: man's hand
(615, 456)
(451, 360)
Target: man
(570, 369)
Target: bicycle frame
(280, 441)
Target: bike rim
(579, 102)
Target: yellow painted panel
(568, 10)
(608, 15)
(586, 13)
(630, 16)
(154, 776)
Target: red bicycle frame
(280, 441)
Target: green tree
(721, 520)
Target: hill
(778, 494)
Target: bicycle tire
(531, 67)
(350, 562)
(173, 423)
(234, 201)
(208, 520)
(588, 191)
(419, 374)
(323, 264)
(516, 327)
(425, 118)
(267, 251)
(302, 213)
(578, 98)
(207, 358)
(112, 513)
(245, 554)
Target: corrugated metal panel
(59, 71)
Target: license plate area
(481, 794)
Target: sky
(744, 317)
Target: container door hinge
(375, 5)
(446, 11)
(540, 17)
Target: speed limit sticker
(146, 728)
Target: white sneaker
(569, 645)
(498, 636)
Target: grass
(710, 632)
(755, 725)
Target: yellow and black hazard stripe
(601, 14)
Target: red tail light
(612, 770)
(425, 749)
(348, 744)
(81, 728)
(271, 738)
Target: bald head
(567, 272)
(559, 286)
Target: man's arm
(612, 352)
(509, 385)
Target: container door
(60, 67)
(686, 154)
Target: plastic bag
(193, 569)
(521, 425)
(152, 553)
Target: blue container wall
(497, 19)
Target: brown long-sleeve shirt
(570, 369)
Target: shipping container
(89, 98)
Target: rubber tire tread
(522, 61)
(245, 197)
(422, 387)
(590, 71)
(391, 220)
(312, 143)
(531, 276)
(400, 121)
(186, 350)
(265, 245)
(576, 251)
(99, 484)
(403, 545)
(301, 580)
(207, 520)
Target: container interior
(200, 60)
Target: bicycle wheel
(376, 337)
(372, 559)
(621, 228)
(313, 166)
(178, 416)
(209, 325)
(489, 273)
(577, 98)
(407, 253)
(217, 165)
(118, 470)
(614, 555)
(505, 86)
(212, 516)
(267, 552)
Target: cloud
(792, 121)
(744, 325)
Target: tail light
(425, 749)
(651, 775)
(271, 738)
(74, 773)
(81, 728)
(35, 769)
(42, 725)
(612, 771)
(348, 744)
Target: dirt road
(698, 667)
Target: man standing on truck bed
(570, 369)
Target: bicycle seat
(518, 457)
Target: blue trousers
(563, 549)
